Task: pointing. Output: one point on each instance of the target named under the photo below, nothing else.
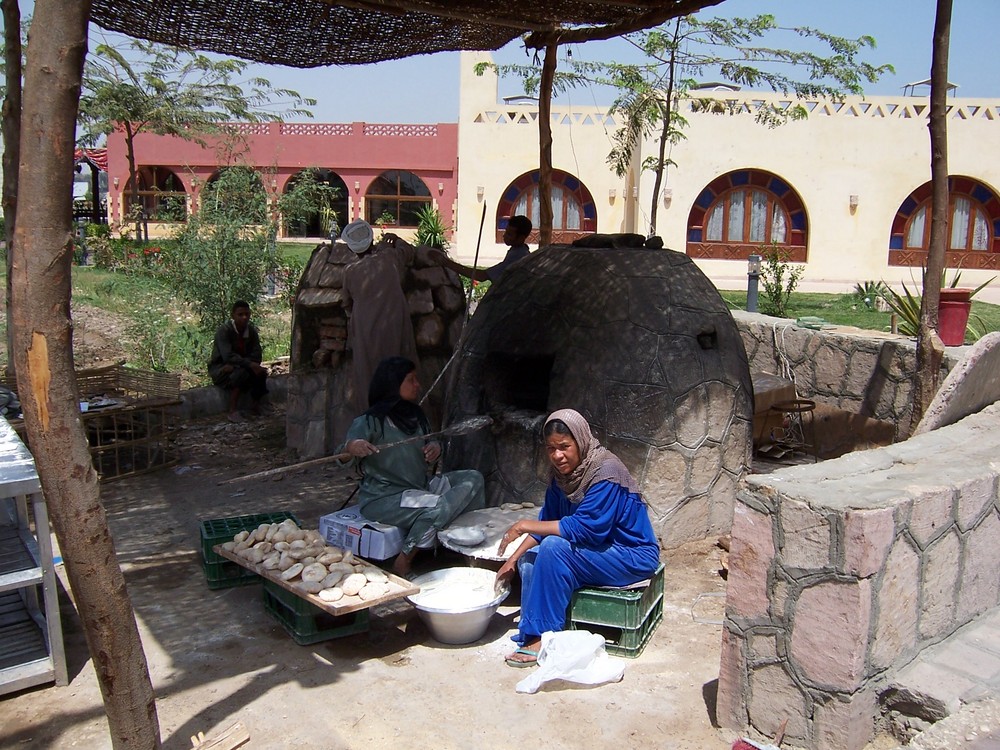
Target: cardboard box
(347, 528)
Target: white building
(846, 191)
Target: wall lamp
(635, 192)
(612, 193)
(668, 197)
(480, 192)
(852, 201)
(357, 186)
(116, 183)
(440, 188)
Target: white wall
(876, 148)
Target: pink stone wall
(841, 572)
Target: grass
(849, 310)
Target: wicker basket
(135, 435)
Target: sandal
(519, 664)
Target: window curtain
(758, 216)
(737, 210)
(915, 232)
(713, 227)
(960, 224)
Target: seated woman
(593, 530)
(394, 415)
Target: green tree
(226, 251)
(688, 47)
(170, 91)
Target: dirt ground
(217, 657)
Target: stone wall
(840, 573)
(863, 372)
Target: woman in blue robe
(593, 530)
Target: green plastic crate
(306, 623)
(221, 573)
(220, 530)
(625, 617)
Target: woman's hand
(509, 536)
(361, 448)
(432, 452)
(504, 575)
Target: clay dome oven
(642, 344)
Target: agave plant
(431, 229)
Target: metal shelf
(31, 645)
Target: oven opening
(515, 381)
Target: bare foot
(402, 566)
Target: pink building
(380, 170)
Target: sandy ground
(216, 657)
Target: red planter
(953, 316)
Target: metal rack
(31, 644)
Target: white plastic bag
(575, 656)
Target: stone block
(431, 276)
(736, 447)
(704, 471)
(751, 553)
(420, 301)
(974, 497)
(980, 582)
(333, 345)
(830, 634)
(721, 499)
(774, 696)
(763, 648)
(938, 586)
(931, 514)
(731, 698)
(687, 521)
(845, 724)
(316, 264)
(896, 623)
(868, 536)
(331, 276)
(722, 406)
(805, 537)
(927, 690)
(320, 358)
(429, 332)
(830, 363)
(859, 374)
(449, 298)
(691, 417)
(640, 409)
(664, 480)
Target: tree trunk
(930, 350)
(545, 146)
(668, 121)
(46, 383)
(11, 145)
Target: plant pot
(953, 317)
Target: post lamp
(753, 276)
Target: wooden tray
(398, 587)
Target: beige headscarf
(597, 463)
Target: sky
(424, 89)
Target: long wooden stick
(469, 425)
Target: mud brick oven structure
(641, 343)
(319, 398)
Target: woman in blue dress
(390, 473)
(593, 530)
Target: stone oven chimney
(319, 398)
(641, 343)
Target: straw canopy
(309, 33)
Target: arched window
(573, 211)
(161, 195)
(973, 226)
(747, 215)
(394, 198)
(317, 223)
(744, 212)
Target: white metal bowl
(457, 604)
